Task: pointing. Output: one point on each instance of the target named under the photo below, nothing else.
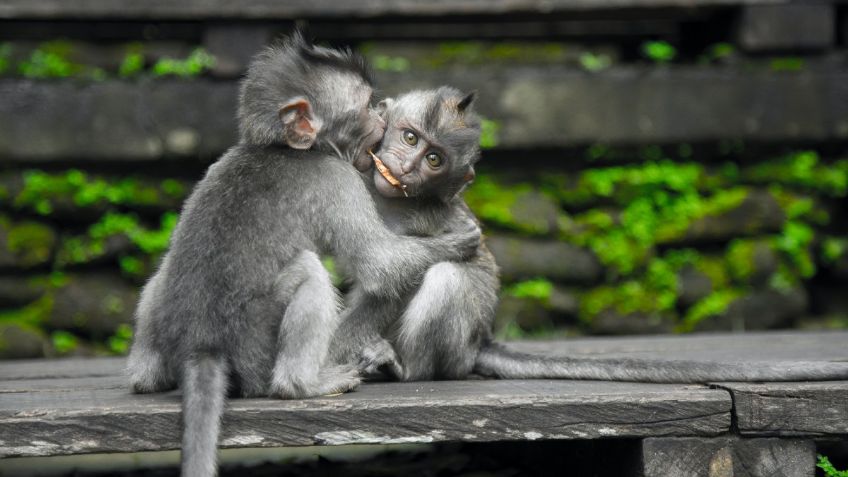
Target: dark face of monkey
(430, 145)
(303, 96)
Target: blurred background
(649, 166)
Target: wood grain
(86, 418)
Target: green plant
(119, 343)
(828, 468)
(63, 341)
(833, 248)
(713, 304)
(396, 64)
(41, 190)
(489, 133)
(594, 62)
(195, 64)
(5, 53)
(537, 289)
(787, 64)
(132, 64)
(717, 52)
(659, 51)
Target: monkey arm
(382, 262)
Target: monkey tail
(497, 360)
(204, 391)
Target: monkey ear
(383, 105)
(470, 175)
(466, 101)
(300, 125)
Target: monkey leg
(308, 323)
(360, 340)
(444, 324)
(147, 369)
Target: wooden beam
(268, 9)
(86, 415)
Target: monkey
(443, 329)
(241, 304)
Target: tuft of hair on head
(281, 72)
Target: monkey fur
(442, 329)
(241, 303)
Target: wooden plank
(790, 409)
(787, 27)
(71, 421)
(766, 346)
(552, 106)
(270, 9)
(60, 368)
(727, 456)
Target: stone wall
(655, 167)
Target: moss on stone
(30, 242)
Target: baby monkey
(241, 302)
(443, 328)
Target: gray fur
(241, 288)
(435, 330)
(443, 329)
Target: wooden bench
(79, 406)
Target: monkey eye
(410, 137)
(434, 160)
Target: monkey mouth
(387, 174)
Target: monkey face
(428, 148)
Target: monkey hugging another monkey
(241, 304)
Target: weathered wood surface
(81, 406)
(266, 9)
(791, 409)
(84, 415)
(551, 106)
(727, 457)
(751, 348)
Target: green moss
(659, 51)
(42, 191)
(789, 63)
(83, 249)
(195, 64)
(133, 62)
(5, 53)
(119, 343)
(795, 242)
(52, 60)
(627, 298)
(31, 242)
(539, 289)
(804, 170)
(396, 64)
(493, 202)
(833, 248)
(131, 265)
(712, 305)
(740, 259)
(717, 52)
(590, 61)
(829, 470)
(63, 342)
(34, 314)
(489, 133)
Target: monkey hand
(379, 358)
(464, 237)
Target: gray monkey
(442, 329)
(241, 302)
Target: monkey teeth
(387, 174)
